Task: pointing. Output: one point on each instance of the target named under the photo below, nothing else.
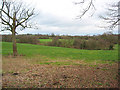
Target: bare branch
(79, 2)
(85, 10)
(26, 18)
(4, 21)
(111, 17)
(6, 13)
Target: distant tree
(14, 16)
(52, 34)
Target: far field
(45, 66)
(45, 40)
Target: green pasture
(43, 41)
(47, 54)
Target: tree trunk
(14, 36)
(14, 43)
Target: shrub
(79, 44)
(110, 38)
(61, 43)
(29, 39)
(43, 37)
(111, 47)
(66, 43)
(55, 42)
(92, 44)
(7, 38)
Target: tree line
(95, 42)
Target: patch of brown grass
(52, 76)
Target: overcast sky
(59, 17)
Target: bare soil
(19, 73)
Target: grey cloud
(51, 20)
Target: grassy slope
(61, 53)
(46, 76)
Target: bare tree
(15, 16)
(112, 16)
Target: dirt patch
(19, 73)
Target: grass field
(43, 41)
(59, 53)
(57, 67)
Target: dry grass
(20, 73)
